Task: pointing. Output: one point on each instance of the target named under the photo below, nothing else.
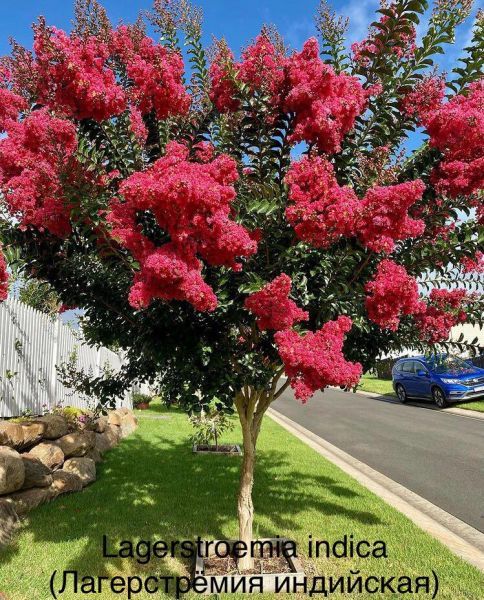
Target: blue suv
(442, 378)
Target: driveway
(438, 455)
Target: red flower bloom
(456, 128)
(33, 158)
(137, 125)
(391, 294)
(425, 98)
(10, 106)
(315, 360)
(261, 68)
(73, 76)
(475, 265)
(321, 211)
(384, 216)
(445, 309)
(273, 307)
(156, 74)
(192, 202)
(325, 104)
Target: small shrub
(209, 426)
(141, 399)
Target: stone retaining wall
(47, 456)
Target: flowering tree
(254, 217)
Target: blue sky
(237, 21)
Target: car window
(420, 367)
(408, 366)
(399, 366)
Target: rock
(109, 439)
(33, 432)
(94, 455)
(129, 423)
(12, 470)
(65, 482)
(11, 434)
(114, 418)
(123, 411)
(100, 424)
(26, 500)
(49, 454)
(55, 426)
(84, 468)
(36, 473)
(76, 444)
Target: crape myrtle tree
(244, 224)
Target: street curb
(462, 539)
(463, 412)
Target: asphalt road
(439, 456)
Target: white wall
(31, 345)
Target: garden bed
(228, 449)
(269, 565)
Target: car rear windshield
(451, 364)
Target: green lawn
(371, 383)
(152, 487)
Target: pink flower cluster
(425, 98)
(272, 306)
(261, 69)
(322, 211)
(403, 45)
(156, 73)
(456, 128)
(10, 106)
(76, 78)
(313, 361)
(137, 125)
(325, 104)
(191, 201)
(391, 294)
(33, 160)
(475, 265)
(445, 309)
(384, 218)
(73, 78)
(3, 278)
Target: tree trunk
(245, 505)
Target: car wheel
(401, 393)
(439, 398)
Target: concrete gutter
(462, 539)
(454, 410)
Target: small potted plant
(208, 427)
(141, 401)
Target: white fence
(31, 345)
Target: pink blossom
(192, 202)
(320, 210)
(73, 76)
(313, 361)
(391, 294)
(384, 218)
(273, 307)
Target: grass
(371, 383)
(153, 487)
